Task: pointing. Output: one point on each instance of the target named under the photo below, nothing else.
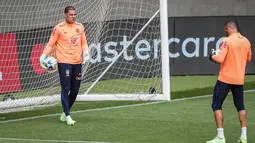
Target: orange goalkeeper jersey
(235, 52)
(70, 41)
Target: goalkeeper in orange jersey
(71, 49)
(235, 52)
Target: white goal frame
(165, 67)
(164, 94)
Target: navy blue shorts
(70, 76)
(220, 92)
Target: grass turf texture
(186, 121)
(178, 122)
(181, 87)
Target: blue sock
(65, 101)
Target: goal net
(124, 47)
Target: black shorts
(220, 92)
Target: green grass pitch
(184, 121)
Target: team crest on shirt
(73, 40)
(77, 30)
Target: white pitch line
(82, 111)
(204, 96)
(108, 108)
(41, 140)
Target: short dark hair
(230, 22)
(69, 8)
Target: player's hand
(85, 57)
(42, 61)
(213, 52)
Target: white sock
(68, 117)
(220, 132)
(244, 129)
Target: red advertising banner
(35, 56)
(9, 67)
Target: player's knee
(216, 106)
(239, 106)
(75, 88)
(65, 88)
(75, 93)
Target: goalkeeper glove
(213, 52)
(43, 62)
(85, 57)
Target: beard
(227, 34)
(70, 21)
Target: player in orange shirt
(235, 52)
(71, 48)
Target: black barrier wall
(205, 31)
(190, 40)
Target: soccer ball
(51, 63)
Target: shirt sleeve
(84, 43)
(53, 39)
(220, 57)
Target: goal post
(165, 95)
(128, 48)
(165, 49)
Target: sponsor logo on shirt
(73, 40)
